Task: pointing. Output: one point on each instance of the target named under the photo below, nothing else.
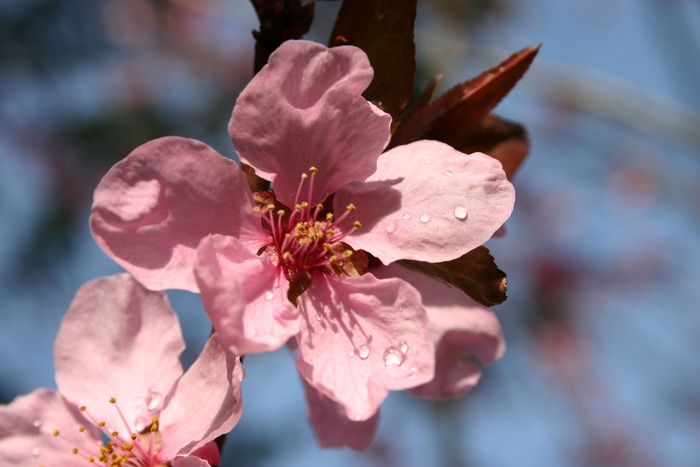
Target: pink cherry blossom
(288, 264)
(119, 378)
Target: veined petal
(206, 402)
(152, 208)
(27, 427)
(118, 340)
(428, 202)
(467, 335)
(245, 296)
(304, 109)
(362, 337)
(332, 427)
(190, 461)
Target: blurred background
(602, 252)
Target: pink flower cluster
(310, 263)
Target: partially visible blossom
(122, 397)
(293, 263)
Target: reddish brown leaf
(447, 118)
(474, 273)
(503, 140)
(384, 30)
(280, 20)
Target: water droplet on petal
(139, 424)
(460, 212)
(393, 357)
(351, 353)
(363, 351)
(403, 345)
(269, 295)
(425, 218)
(319, 317)
(38, 423)
(391, 227)
(153, 400)
(406, 216)
(449, 173)
(36, 451)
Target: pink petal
(151, 209)
(210, 451)
(360, 338)
(118, 340)
(332, 427)
(467, 335)
(305, 108)
(26, 431)
(206, 402)
(190, 461)
(428, 202)
(245, 296)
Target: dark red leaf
(384, 30)
(503, 140)
(447, 118)
(474, 273)
(280, 20)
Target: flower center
(133, 449)
(308, 238)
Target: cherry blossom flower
(293, 263)
(122, 397)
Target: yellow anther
(297, 207)
(319, 206)
(154, 424)
(357, 224)
(280, 212)
(326, 246)
(304, 176)
(115, 434)
(256, 209)
(270, 207)
(101, 424)
(91, 459)
(313, 170)
(133, 436)
(330, 217)
(83, 408)
(56, 432)
(74, 450)
(110, 444)
(329, 234)
(112, 400)
(127, 447)
(347, 254)
(333, 259)
(81, 429)
(286, 256)
(304, 204)
(350, 207)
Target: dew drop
(449, 173)
(38, 423)
(153, 400)
(460, 212)
(269, 296)
(351, 353)
(391, 227)
(425, 218)
(393, 357)
(363, 352)
(36, 451)
(406, 216)
(403, 345)
(139, 424)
